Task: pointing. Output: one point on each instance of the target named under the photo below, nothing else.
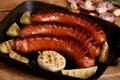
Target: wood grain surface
(8, 72)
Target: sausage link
(72, 18)
(70, 47)
(64, 30)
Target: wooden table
(8, 72)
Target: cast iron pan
(112, 31)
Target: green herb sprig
(115, 2)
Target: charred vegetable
(18, 57)
(104, 53)
(51, 60)
(81, 73)
(7, 46)
(13, 30)
(25, 18)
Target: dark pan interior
(112, 31)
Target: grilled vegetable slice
(13, 30)
(7, 46)
(18, 57)
(25, 18)
(51, 60)
(83, 73)
(104, 53)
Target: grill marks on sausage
(79, 20)
(64, 30)
(67, 45)
(80, 40)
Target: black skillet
(112, 31)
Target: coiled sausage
(56, 16)
(64, 30)
(70, 47)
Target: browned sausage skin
(42, 42)
(80, 20)
(64, 30)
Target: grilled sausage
(70, 47)
(64, 30)
(71, 18)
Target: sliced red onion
(107, 16)
(89, 0)
(89, 8)
(76, 1)
(108, 5)
(101, 4)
